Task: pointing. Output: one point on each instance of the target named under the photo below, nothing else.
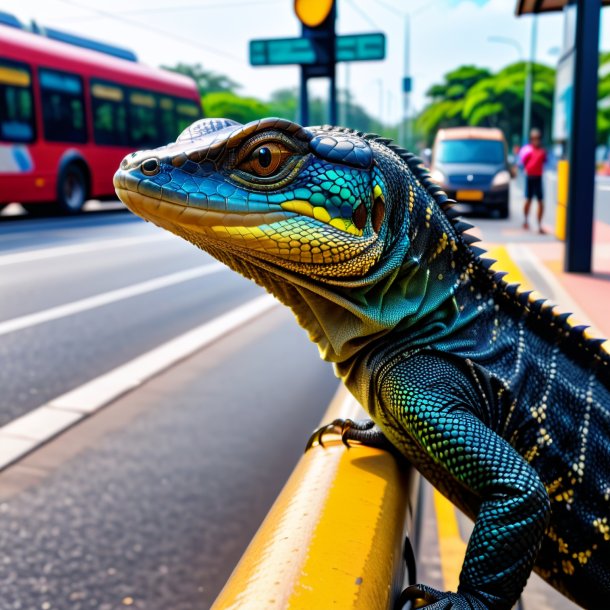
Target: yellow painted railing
(334, 537)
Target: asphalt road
(45, 360)
(150, 502)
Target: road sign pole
(581, 190)
(332, 99)
(332, 52)
(303, 99)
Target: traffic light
(318, 25)
(313, 13)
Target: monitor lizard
(493, 396)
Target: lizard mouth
(295, 232)
(158, 211)
(276, 235)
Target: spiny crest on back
(540, 313)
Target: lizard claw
(350, 433)
(422, 596)
(337, 429)
(417, 597)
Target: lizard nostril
(150, 167)
(124, 164)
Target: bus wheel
(71, 190)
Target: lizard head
(344, 228)
(312, 201)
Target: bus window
(109, 114)
(187, 112)
(16, 108)
(169, 130)
(63, 108)
(143, 128)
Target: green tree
(447, 100)
(284, 104)
(603, 113)
(220, 99)
(207, 80)
(231, 106)
(474, 96)
(497, 101)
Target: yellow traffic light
(312, 13)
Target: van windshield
(470, 151)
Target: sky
(443, 35)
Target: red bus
(68, 115)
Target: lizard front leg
(427, 407)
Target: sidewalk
(538, 264)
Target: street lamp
(404, 128)
(529, 80)
(527, 97)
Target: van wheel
(71, 190)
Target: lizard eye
(266, 159)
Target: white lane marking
(92, 246)
(98, 300)
(28, 432)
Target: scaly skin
(496, 400)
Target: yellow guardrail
(334, 537)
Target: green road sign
(361, 47)
(284, 51)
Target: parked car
(471, 165)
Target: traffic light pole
(303, 99)
(332, 97)
(324, 39)
(581, 189)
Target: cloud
(477, 2)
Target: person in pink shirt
(533, 156)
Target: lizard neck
(410, 289)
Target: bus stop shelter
(581, 40)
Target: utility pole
(346, 106)
(405, 125)
(406, 86)
(529, 82)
